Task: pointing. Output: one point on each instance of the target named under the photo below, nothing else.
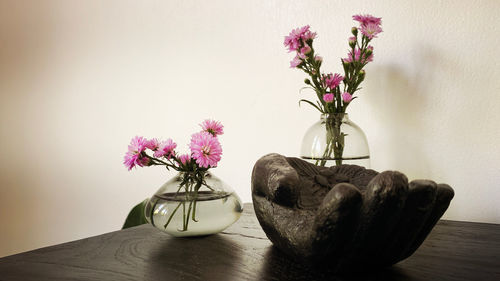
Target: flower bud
(345, 65)
(305, 50)
(145, 161)
(346, 97)
(352, 41)
(307, 81)
(361, 74)
(354, 31)
(318, 60)
(328, 97)
(368, 52)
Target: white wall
(78, 79)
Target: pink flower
(367, 19)
(308, 35)
(138, 144)
(130, 161)
(295, 62)
(328, 98)
(134, 156)
(331, 80)
(352, 39)
(357, 54)
(185, 158)
(166, 149)
(370, 57)
(152, 144)
(318, 58)
(205, 149)
(213, 127)
(304, 51)
(346, 97)
(297, 37)
(370, 30)
(293, 40)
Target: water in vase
(214, 212)
(363, 161)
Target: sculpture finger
(418, 206)
(275, 179)
(288, 228)
(383, 203)
(444, 194)
(336, 222)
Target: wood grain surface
(453, 251)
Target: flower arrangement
(335, 92)
(206, 153)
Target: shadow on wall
(28, 36)
(19, 211)
(406, 107)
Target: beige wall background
(78, 79)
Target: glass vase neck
(337, 116)
(182, 173)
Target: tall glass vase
(335, 140)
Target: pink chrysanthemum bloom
(304, 51)
(184, 158)
(297, 37)
(370, 57)
(328, 98)
(346, 97)
(318, 58)
(293, 40)
(367, 19)
(332, 80)
(132, 160)
(357, 54)
(205, 149)
(166, 149)
(213, 127)
(370, 30)
(308, 35)
(295, 62)
(133, 157)
(152, 144)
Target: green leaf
(309, 102)
(136, 216)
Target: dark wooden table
(453, 251)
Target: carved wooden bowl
(344, 217)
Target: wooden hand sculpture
(344, 217)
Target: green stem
(334, 140)
(183, 215)
(196, 188)
(187, 216)
(153, 211)
(194, 210)
(171, 215)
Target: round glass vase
(180, 211)
(335, 140)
